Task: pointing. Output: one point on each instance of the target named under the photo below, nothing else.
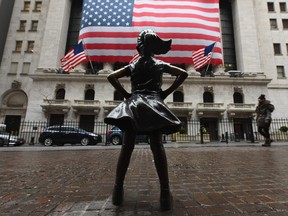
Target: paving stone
(223, 180)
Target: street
(205, 180)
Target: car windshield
(81, 130)
(64, 128)
(52, 128)
(115, 128)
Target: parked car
(13, 140)
(60, 135)
(115, 135)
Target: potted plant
(283, 133)
(283, 128)
(182, 136)
(183, 131)
(206, 136)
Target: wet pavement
(234, 179)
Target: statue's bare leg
(122, 166)
(160, 161)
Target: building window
(270, 6)
(34, 25)
(285, 23)
(287, 48)
(89, 94)
(283, 7)
(118, 65)
(94, 67)
(38, 6)
(18, 46)
(273, 24)
(74, 24)
(178, 96)
(26, 68)
(30, 46)
(60, 94)
(208, 97)
(26, 7)
(13, 68)
(22, 26)
(277, 49)
(237, 97)
(229, 53)
(280, 72)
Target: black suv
(64, 134)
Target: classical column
(55, 36)
(246, 39)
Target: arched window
(89, 94)
(237, 97)
(208, 97)
(60, 94)
(118, 96)
(178, 96)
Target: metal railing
(225, 130)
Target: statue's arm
(180, 74)
(114, 77)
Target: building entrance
(211, 126)
(243, 129)
(12, 123)
(87, 122)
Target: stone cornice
(279, 86)
(192, 79)
(77, 77)
(226, 80)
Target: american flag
(110, 28)
(202, 56)
(74, 57)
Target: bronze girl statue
(144, 110)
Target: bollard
(164, 138)
(201, 134)
(237, 137)
(32, 141)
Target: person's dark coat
(263, 112)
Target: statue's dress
(145, 111)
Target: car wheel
(48, 142)
(84, 141)
(1, 142)
(116, 140)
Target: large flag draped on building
(110, 28)
(74, 57)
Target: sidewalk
(205, 179)
(66, 147)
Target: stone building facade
(32, 88)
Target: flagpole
(210, 58)
(88, 57)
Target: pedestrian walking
(144, 110)
(263, 118)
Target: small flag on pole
(74, 57)
(202, 56)
(135, 57)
